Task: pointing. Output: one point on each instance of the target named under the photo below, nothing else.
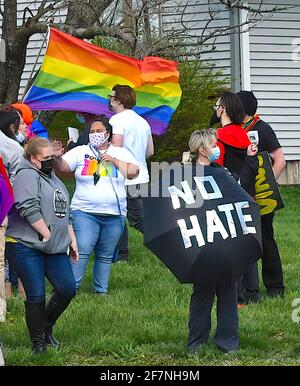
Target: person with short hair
(133, 132)
(271, 262)
(40, 223)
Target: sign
(206, 230)
(267, 194)
(73, 134)
(253, 137)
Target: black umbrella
(212, 239)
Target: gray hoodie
(11, 153)
(37, 197)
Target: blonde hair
(198, 139)
(33, 147)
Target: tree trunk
(9, 29)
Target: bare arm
(41, 227)
(74, 247)
(117, 140)
(279, 162)
(59, 164)
(128, 170)
(150, 147)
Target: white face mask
(98, 139)
(20, 137)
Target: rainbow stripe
(6, 193)
(105, 170)
(78, 76)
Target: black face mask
(214, 119)
(47, 166)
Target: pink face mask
(98, 139)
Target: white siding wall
(275, 76)
(193, 14)
(35, 41)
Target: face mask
(214, 119)
(110, 106)
(80, 118)
(47, 166)
(215, 154)
(98, 139)
(20, 137)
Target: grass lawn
(144, 319)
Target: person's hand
(47, 238)
(58, 149)
(107, 158)
(252, 150)
(74, 251)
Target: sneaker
(122, 260)
(101, 293)
(226, 351)
(274, 292)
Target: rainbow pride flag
(78, 76)
(6, 193)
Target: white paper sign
(73, 133)
(253, 137)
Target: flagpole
(34, 65)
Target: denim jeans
(10, 274)
(32, 266)
(99, 234)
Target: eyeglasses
(111, 96)
(216, 107)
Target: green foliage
(199, 89)
(58, 128)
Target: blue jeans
(98, 234)
(32, 266)
(12, 276)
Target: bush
(200, 86)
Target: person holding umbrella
(204, 150)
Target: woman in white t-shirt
(99, 202)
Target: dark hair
(126, 95)
(105, 121)
(249, 101)
(234, 107)
(7, 120)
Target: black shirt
(267, 137)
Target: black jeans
(135, 216)
(271, 264)
(248, 286)
(227, 333)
